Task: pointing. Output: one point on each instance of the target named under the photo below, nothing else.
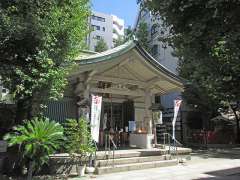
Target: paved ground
(213, 165)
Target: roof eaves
(157, 65)
(108, 55)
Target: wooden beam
(150, 82)
(115, 64)
(124, 62)
(159, 90)
(119, 92)
(90, 75)
(175, 90)
(134, 74)
(141, 84)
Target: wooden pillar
(148, 112)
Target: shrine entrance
(112, 116)
(115, 119)
(128, 79)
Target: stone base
(64, 164)
(143, 141)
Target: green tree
(101, 46)
(38, 43)
(119, 41)
(79, 141)
(128, 34)
(37, 139)
(205, 37)
(142, 35)
(78, 137)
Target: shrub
(79, 141)
(37, 139)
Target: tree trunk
(22, 110)
(237, 128)
(35, 108)
(38, 98)
(30, 170)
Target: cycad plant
(37, 139)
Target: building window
(164, 46)
(98, 37)
(97, 18)
(154, 29)
(103, 28)
(158, 99)
(96, 27)
(154, 50)
(144, 12)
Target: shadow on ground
(225, 174)
(232, 153)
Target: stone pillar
(82, 91)
(148, 112)
(88, 102)
(86, 93)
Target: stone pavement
(214, 165)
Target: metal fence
(61, 110)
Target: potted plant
(37, 139)
(79, 142)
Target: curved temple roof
(116, 54)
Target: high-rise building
(106, 27)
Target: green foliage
(205, 37)
(142, 35)
(119, 41)
(128, 34)
(101, 46)
(37, 139)
(38, 43)
(78, 137)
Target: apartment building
(106, 27)
(161, 51)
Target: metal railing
(108, 142)
(172, 144)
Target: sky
(124, 9)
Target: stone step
(160, 146)
(128, 154)
(158, 151)
(132, 160)
(135, 166)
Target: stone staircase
(136, 159)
